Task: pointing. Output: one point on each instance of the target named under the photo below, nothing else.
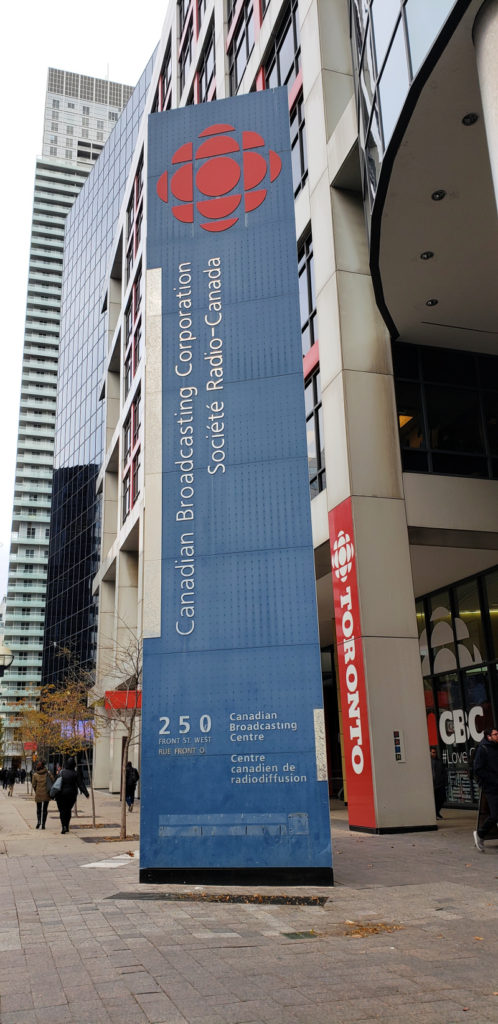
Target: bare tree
(121, 704)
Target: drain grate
(223, 897)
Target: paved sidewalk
(408, 933)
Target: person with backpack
(132, 778)
(42, 783)
(71, 783)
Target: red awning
(119, 700)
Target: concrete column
(363, 463)
(485, 35)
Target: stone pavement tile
(140, 982)
(158, 1008)
(48, 995)
(125, 1012)
(19, 1017)
(210, 1018)
(242, 1013)
(111, 989)
(53, 1015)
(78, 1013)
(11, 1001)
(288, 996)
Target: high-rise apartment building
(394, 152)
(80, 114)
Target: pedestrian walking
(438, 781)
(42, 782)
(11, 778)
(72, 782)
(485, 769)
(131, 780)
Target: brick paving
(422, 945)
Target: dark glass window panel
(491, 590)
(308, 397)
(314, 433)
(488, 371)
(286, 55)
(459, 465)
(448, 367)
(469, 629)
(405, 360)
(414, 462)
(241, 47)
(490, 411)
(284, 60)
(410, 414)
(306, 294)
(299, 155)
(454, 419)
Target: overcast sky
(100, 38)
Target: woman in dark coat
(42, 783)
(132, 778)
(66, 797)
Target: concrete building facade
(393, 149)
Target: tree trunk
(92, 794)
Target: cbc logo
(458, 726)
(342, 556)
(215, 179)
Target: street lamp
(6, 658)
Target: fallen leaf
(478, 938)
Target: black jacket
(71, 783)
(485, 765)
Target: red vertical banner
(361, 806)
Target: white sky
(98, 38)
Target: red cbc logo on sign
(219, 177)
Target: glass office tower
(80, 114)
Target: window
(136, 347)
(183, 10)
(314, 433)
(112, 115)
(241, 46)
(165, 79)
(185, 56)
(307, 301)
(128, 373)
(447, 404)
(206, 69)
(284, 60)
(126, 495)
(135, 477)
(127, 440)
(136, 414)
(299, 155)
(29, 553)
(30, 531)
(201, 10)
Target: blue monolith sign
(233, 762)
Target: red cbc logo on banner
(219, 177)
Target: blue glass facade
(71, 612)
